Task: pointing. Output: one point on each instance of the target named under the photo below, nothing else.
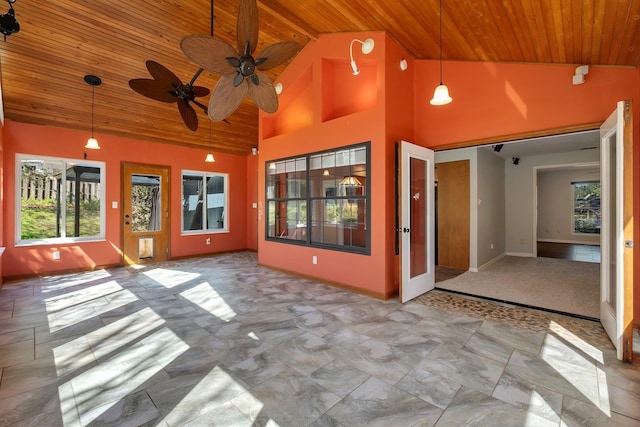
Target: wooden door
(145, 213)
(454, 218)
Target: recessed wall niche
(295, 107)
(342, 92)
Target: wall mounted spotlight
(278, 88)
(515, 160)
(367, 47)
(254, 151)
(403, 64)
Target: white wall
(555, 204)
(491, 207)
(520, 236)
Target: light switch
(114, 204)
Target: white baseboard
(487, 264)
(522, 254)
(571, 242)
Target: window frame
(573, 206)
(204, 175)
(309, 199)
(64, 163)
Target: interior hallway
(222, 341)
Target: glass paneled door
(145, 214)
(616, 234)
(416, 228)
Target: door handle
(407, 230)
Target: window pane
(145, 203)
(82, 201)
(328, 187)
(40, 188)
(192, 202)
(215, 202)
(586, 208)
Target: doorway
(145, 213)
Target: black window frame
(309, 200)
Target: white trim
(488, 263)
(521, 254)
(573, 242)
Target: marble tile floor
(222, 341)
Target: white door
(616, 236)
(417, 243)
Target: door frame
(127, 169)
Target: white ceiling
(549, 145)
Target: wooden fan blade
(226, 98)
(188, 114)
(209, 53)
(277, 54)
(200, 91)
(162, 73)
(264, 94)
(152, 89)
(247, 26)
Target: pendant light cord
(93, 103)
(440, 42)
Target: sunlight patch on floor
(81, 280)
(204, 296)
(576, 341)
(65, 310)
(576, 367)
(170, 278)
(128, 364)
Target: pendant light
(209, 158)
(441, 94)
(94, 81)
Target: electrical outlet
(314, 260)
(208, 240)
(55, 255)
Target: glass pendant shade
(441, 95)
(92, 143)
(209, 158)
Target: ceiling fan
(167, 87)
(241, 72)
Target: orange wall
(65, 143)
(331, 121)
(492, 99)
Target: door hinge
(627, 350)
(627, 112)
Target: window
(204, 202)
(59, 200)
(320, 199)
(586, 207)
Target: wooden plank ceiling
(60, 41)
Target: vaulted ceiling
(60, 41)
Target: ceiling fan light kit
(367, 47)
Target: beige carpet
(555, 284)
